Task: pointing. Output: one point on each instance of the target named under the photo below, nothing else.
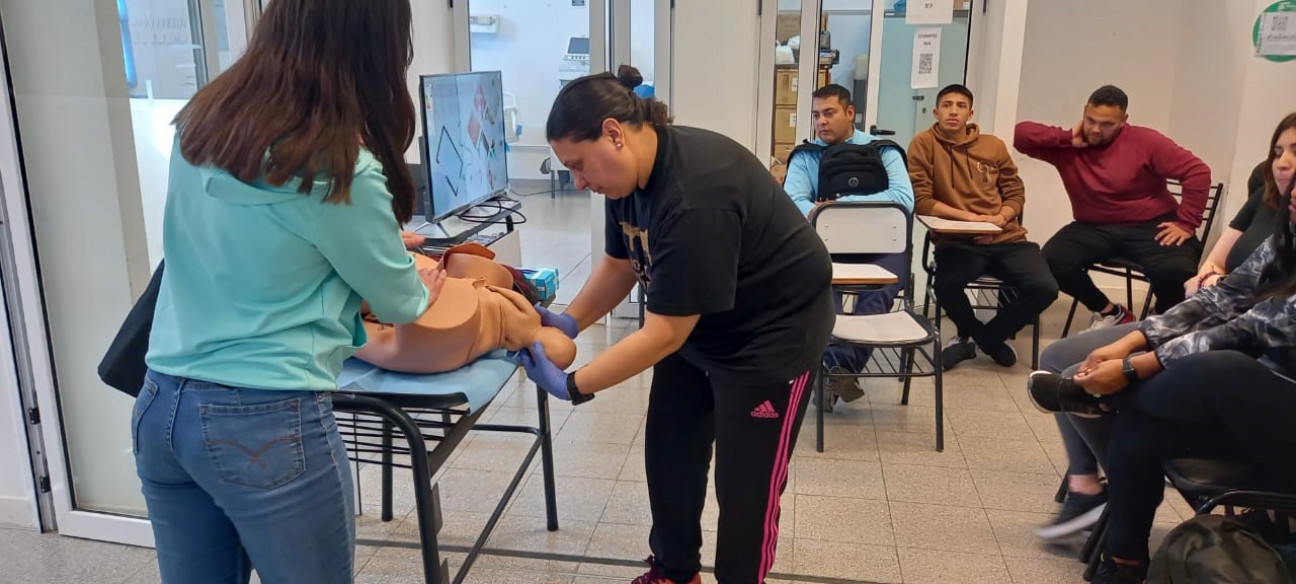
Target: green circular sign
(1287, 6)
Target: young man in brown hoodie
(961, 174)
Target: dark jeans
(753, 429)
(1085, 439)
(1079, 245)
(872, 302)
(1220, 404)
(1020, 265)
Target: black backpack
(1209, 549)
(851, 169)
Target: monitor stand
(468, 225)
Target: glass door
(84, 191)
(914, 61)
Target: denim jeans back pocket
(142, 403)
(259, 445)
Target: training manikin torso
(477, 312)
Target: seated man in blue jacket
(834, 123)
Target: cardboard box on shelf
(782, 150)
(785, 86)
(785, 124)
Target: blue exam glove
(563, 321)
(543, 372)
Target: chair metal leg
(1129, 290)
(1066, 328)
(386, 471)
(819, 411)
(906, 368)
(547, 460)
(940, 409)
(938, 375)
(1035, 338)
(1147, 304)
(1093, 544)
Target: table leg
(387, 470)
(546, 459)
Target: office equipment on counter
(575, 63)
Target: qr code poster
(1275, 32)
(926, 59)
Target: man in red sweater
(1115, 174)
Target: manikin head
(833, 114)
(604, 133)
(1104, 115)
(953, 108)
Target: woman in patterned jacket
(1214, 377)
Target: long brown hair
(1271, 196)
(319, 79)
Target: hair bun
(629, 76)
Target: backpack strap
(804, 146)
(882, 143)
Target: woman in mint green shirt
(286, 194)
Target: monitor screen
(463, 130)
(578, 46)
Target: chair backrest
(864, 227)
(1213, 197)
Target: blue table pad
(475, 384)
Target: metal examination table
(433, 414)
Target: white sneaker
(1099, 322)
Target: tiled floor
(880, 505)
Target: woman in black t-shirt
(1253, 224)
(739, 311)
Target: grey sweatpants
(1085, 439)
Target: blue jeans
(879, 301)
(238, 478)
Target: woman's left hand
(412, 240)
(544, 372)
(1104, 378)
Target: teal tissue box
(545, 280)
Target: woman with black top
(739, 312)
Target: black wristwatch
(1127, 368)
(576, 397)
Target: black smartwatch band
(573, 393)
(1131, 375)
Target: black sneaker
(847, 388)
(1003, 353)
(1110, 572)
(957, 350)
(1079, 512)
(1052, 393)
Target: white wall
(17, 499)
(718, 92)
(1072, 48)
(433, 24)
(1267, 96)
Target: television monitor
(463, 134)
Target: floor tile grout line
(546, 556)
